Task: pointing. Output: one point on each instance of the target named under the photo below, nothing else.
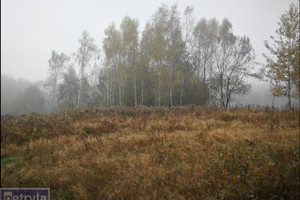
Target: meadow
(154, 153)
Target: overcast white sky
(31, 29)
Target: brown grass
(154, 153)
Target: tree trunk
(170, 89)
(134, 87)
(107, 92)
(221, 92)
(158, 94)
(289, 94)
(228, 94)
(120, 94)
(170, 96)
(159, 84)
(113, 94)
(79, 94)
(181, 91)
(143, 92)
(204, 70)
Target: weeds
(154, 153)
(7, 161)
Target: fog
(31, 30)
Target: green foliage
(7, 161)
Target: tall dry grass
(154, 153)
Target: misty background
(31, 29)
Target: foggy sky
(31, 29)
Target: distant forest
(174, 61)
(19, 96)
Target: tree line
(19, 96)
(174, 61)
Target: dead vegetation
(154, 153)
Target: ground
(154, 153)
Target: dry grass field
(154, 153)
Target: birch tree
(282, 69)
(175, 49)
(187, 32)
(147, 70)
(205, 36)
(233, 64)
(69, 90)
(166, 50)
(112, 50)
(159, 25)
(57, 63)
(130, 39)
(86, 51)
